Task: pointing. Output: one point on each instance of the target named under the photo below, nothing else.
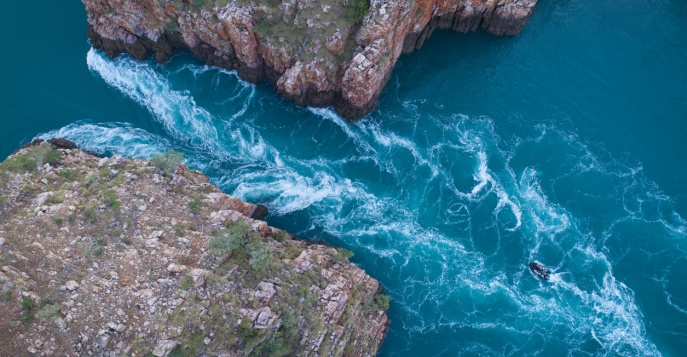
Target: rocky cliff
(318, 53)
(123, 257)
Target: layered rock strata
(116, 257)
(318, 53)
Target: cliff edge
(318, 53)
(125, 257)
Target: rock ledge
(318, 53)
(117, 257)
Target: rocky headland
(319, 53)
(126, 257)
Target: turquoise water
(564, 145)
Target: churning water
(564, 145)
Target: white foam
(177, 111)
(330, 115)
(432, 264)
(116, 138)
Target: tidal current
(565, 145)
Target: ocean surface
(565, 145)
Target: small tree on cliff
(356, 10)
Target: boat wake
(445, 213)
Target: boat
(539, 270)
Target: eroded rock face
(123, 258)
(316, 52)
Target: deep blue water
(564, 145)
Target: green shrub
(27, 306)
(195, 205)
(274, 346)
(379, 302)
(58, 197)
(171, 26)
(246, 330)
(262, 27)
(22, 163)
(349, 351)
(292, 251)
(90, 179)
(356, 10)
(49, 310)
(236, 237)
(343, 255)
(280, 236)
(111, 199)
(261, 257)
(186, 283)
(89, 213)
(3, 200)
(167, 161)
(239, 241)
(96, 248)
(51, 157)
(68, 174)
(30, 160)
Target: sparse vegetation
(68, 174)
(379, 302)
(30, 160)
(186, 283)
(292, 251)
(274, 346)
(356, 10)
(167, 161)
(171, 26)
(96, 248)
(280, 236)
(47, 310)
(111, 199)
(194, 205)
(261, 257)
(57, 197)
(240, 242)
(27, 306)
(343, 255)
(99, 211)
(89, 213)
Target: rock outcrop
(318, 53)
(118, 257)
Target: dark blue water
(564, 145)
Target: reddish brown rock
(151, 273)
(314, 52)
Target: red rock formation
(313, 51)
